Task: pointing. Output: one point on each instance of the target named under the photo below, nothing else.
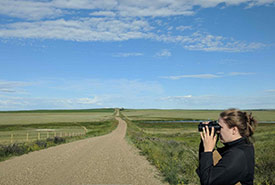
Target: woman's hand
(209, 140)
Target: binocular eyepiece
(211, 124)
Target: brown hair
(245, 123)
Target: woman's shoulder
(240, 146)
(237, 153)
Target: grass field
(24, 126)
(173, 147)
(25, 131)
(54, 116)
(156, 114)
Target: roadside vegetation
(18, 139)
(173, 147)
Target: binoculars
(211, 124)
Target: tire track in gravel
(107, 159)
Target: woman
(237, 162)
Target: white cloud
(270, 90)
(12, 86)
(202, 76)
(31, 10)
(103, 13)
(219, 102)
(260, 3)
(111, 29)
(207, 42)
(91, 101)
(208, 76)
(114, 20)
(6, 90)
(91, 93)
(127, 54)
(35, 10)
(90, 29)
(240, 74)
(84, 4)
(176, 98)
(183, 28)
(17, 103)
(154, 8)
(164, 53)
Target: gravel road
(102, 160)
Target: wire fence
(15, 137)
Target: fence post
(27, 137)
(60, 134)
(11, 138)
(47, 135)
(54, 134)
(38, 136)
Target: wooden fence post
(27, 137)
(11, 138)
(38, 135)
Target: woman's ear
(235, 130)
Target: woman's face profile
(225, 132)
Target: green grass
(22, 126)
(157, 114)
(173, 147)
(25, 118)
(25, 131)
(20, 147)
(265, 150)
(19, 132)
(16, 149)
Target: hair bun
(251, 124)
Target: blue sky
(74, 54)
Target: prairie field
(55, 116)
(173, 146)
(157, 114)
(25, 131)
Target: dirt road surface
(102, 160)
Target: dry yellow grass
(31, 118)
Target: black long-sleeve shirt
(236, 165)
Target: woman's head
(236, 123)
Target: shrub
(50, 139)
(41, 143)
(13, 149)
(59, 140)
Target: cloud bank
(35, 10)
(116, 20)
(208, 76)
